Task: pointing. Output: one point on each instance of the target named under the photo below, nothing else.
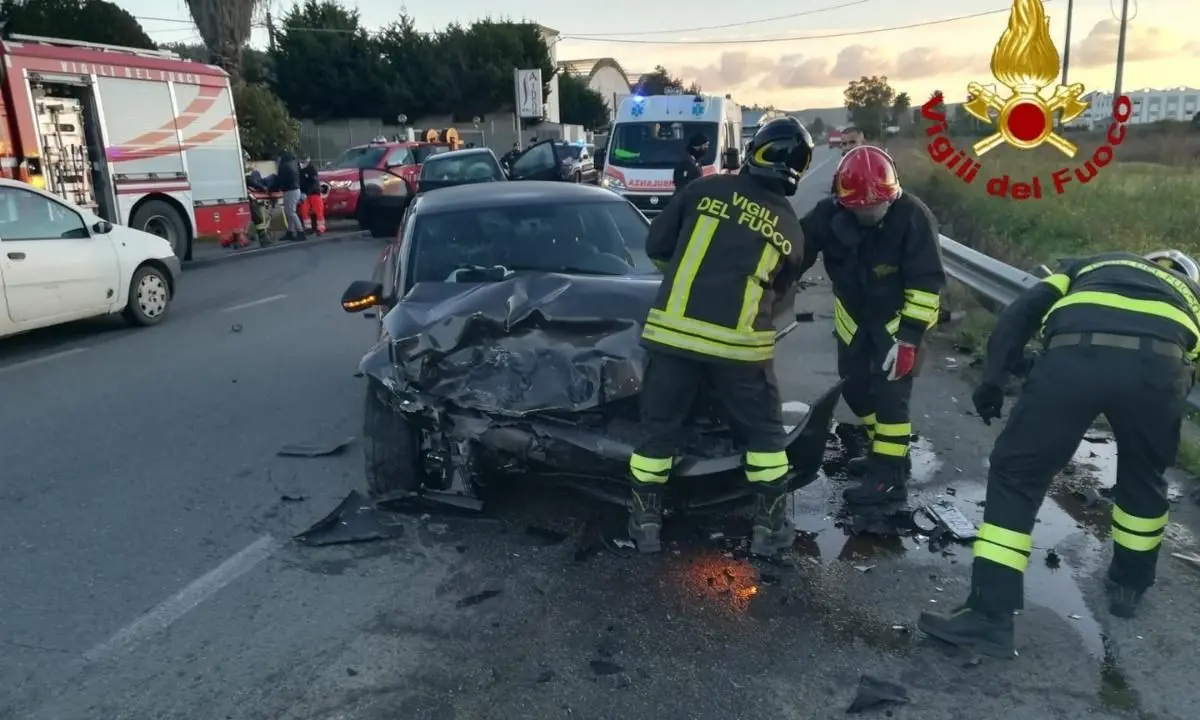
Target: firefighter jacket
(1116, 293)
(728, 247)
(887, 280)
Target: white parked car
(60, 262)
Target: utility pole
(1067, 48)
(270, 31)
(1121, 49)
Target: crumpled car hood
(534, 342)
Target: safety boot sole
(940, 628)
(647, 537)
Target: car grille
(642, 202)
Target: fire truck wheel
(149, 296)
(160, 218)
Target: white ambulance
(649, 138)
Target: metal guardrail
(997, 284)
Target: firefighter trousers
(1142, 393)
(880, 404)
(312, 207)
(746, 397)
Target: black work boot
(860, 466)
(772, 530)
(885, 482)
(645, 516)
(987, 633)
(856, 441)
(1122, 601)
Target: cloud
(1142, 43)
(731, 70)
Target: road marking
(252, 303)
(181, 603)
(813, 170)
(40, 360)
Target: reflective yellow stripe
(921, 306)
(1166, 276)
(894, 429)
(1146, 307)
(766, 466)
(985, 550)
(689, 264)
(868, 419)
(893, 327)
(1136, 543)
(1003, 546)
(1138, 524)
(1059, 282)
(1003, 536)
(891, 449)
(650, 470)
(691, 343)
(754, 286)
(712, 331)
(843, 323)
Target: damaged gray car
(510, 317)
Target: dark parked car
(509, 343)
(460, 167)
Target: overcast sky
(1163, 48)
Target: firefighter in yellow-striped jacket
(883, 259)
(728, 246)
(1121, 333)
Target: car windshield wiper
(569, 269)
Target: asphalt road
(148, 572)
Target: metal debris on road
(314, 449)
(355, 520)
(477, 598)
(874, 693)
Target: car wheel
(149, 297)
(162, 219)
(391, 446)
(578, 178)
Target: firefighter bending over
(1120, 334)
(884, 261)
(728, 246)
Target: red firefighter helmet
(866, 176)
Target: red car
(402, 158)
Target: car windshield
(424, 152)
(476, 167)
(659, 144)
(364, 156)
(593, 238)
(571, 151)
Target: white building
(550, 37)
(1149, 105)
(604, 76)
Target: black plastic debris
(292, 498)
(477, 598)
(605, 667)
(356, 519)
(1053, 561)
(314, 449)
(804, 317)
(235, 328)
(874, 693)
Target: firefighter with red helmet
(882, 256)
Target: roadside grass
(1148, 198)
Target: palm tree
(224, 26)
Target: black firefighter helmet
(780, 151)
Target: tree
(327, 66)
(817, 127)
(264, 124)
(900, 108)
(869, 101)
(95, 21)
(657, 82)
(481, 60)
(256, 64)
(225, 26)
(578, 104)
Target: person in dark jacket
(287, 181)
(689, 168)
(260, 220)
(312, 204)
(1120, 333)
(728, 246)
(883, 258)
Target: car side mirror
(102, 227)
(731, 160)
(362, 295)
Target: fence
(995, 283)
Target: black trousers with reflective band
(746, 396)
(1142, 395)
(880, 404)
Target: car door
(54, 268)
(540, 161)
(383, 196)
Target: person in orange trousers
(312, 204)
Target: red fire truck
(140, 137)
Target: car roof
(461, 153)
(512, 193)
